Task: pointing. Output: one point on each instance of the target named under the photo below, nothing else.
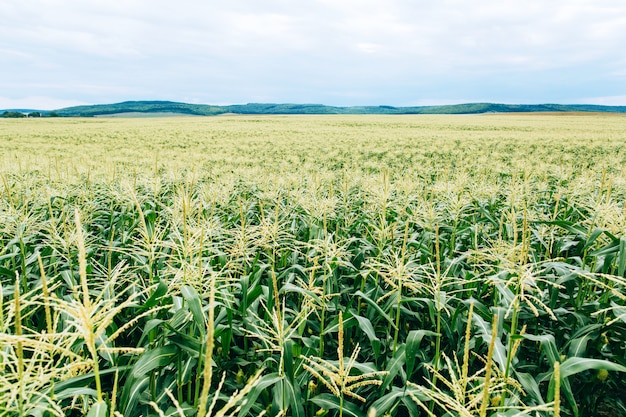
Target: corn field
(313, 265)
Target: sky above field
(57, 53)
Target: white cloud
(293, 51)
(605, 101)
(368, 47)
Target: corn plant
(344, 265)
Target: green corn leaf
(288, 287)
(264, 383)
(102, 349)
(7, 273)
(413, 341)
(373, 304)
(153, 359)
(133, 393)
(387, 401)
(292, 390)
(621, 262)
(411, 405)
(530, 386)
(288, 359)
(595, 234)
(394, 366)
(195, 306)
(98, 409)
(77, 385)
(575, 229)
(578, 346)
(572, 366)
(189, 344)
(366, 326)
(150, 326)
(161, 394)
(608, 249)
(548, 344)
(75, 393)
(330, 402)
(158, 293)
(499, 351)
(619, 311)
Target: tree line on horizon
(291, 108)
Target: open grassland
(311, 265)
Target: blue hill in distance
(135, 108)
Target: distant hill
(137, 108)
(141, 107)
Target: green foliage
(344, 266)
(13, 114)
(135, 108)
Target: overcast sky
(56, 53)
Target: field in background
(301, 265)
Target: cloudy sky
(56, 53)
